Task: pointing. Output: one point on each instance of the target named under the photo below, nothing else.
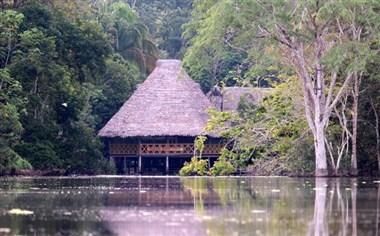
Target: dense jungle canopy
(67, 66)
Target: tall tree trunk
(307, 60)
(377, 133)
(315, 110)
(355, 113)
(9, 49)
(133, 5)
(320, 151)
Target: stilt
(125, 166)
(167, 165)
(209, 163)
(140, 165)
(111, 161)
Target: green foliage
(120, 79)
(66, 67)
(60, 81)
(219, 45)
(10, 161)
(9, 24)
(129, 37)
(222, 168)
(195, 167)
(164, 19)
(199, 145)
(247, 42)
(269, 133)
(10, 126)
(219, 123)
(40, 155)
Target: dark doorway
(126, 165)
(153, 165)
(131, 167)
(176, 163)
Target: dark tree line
(63, 77)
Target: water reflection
(263, 207)
(190, 206)
(319, 224)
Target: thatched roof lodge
(154, 131)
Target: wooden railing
(123, 149)
(161, 149)
(166, 148)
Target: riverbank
(249, 172)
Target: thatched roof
(228, 98)
(168, 103)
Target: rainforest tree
(325, 43)
(61, 79)
(164, 19)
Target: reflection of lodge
(158, 192)
(154, 131)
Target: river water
(156, 206)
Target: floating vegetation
(317, 189)
(5, 230)
(17, 211)
(258, 211)
(207, 217)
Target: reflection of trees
(354, 190)
(60, 206)
(377, 209)
(197, 188)
(334, 214)
(248, 205)
(319, 224)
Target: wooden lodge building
(154, 131)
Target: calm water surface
(189, 206)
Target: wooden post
(140, 165)
(209, 163)
(167, 165)
(111, 161)
(125, 165)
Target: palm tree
(130, 38)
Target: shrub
(195, 167)
(11, 161)
(222, 167)
(41, 155)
